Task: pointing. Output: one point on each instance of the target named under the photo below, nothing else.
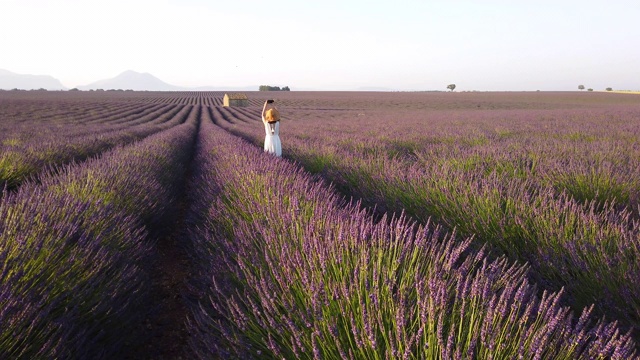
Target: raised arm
(264, 108)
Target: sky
(404, 45)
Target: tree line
(273, 88)
(581, 87)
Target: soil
(165, 331)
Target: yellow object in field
(272, 115)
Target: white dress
(272, 138)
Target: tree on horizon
(273, 88)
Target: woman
(271, 121)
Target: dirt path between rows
(165, 330)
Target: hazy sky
(329, 44)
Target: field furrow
(29, 151)
(147, 225)
(495, 180)
(288, 269)
(76, 260)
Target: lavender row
(288, 269)
(75, 256)
(588, 247)
(41, 115)
(590, 154)
(24, 158)
(24, 129)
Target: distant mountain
(128, 80)
(10, 80)
(131, 80)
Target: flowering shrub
(555, 186)
(290, 270)
(75, 257)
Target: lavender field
(396, 225)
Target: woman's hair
(272, 115)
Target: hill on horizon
(132, 80)
(10, 80)
(127, 80)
